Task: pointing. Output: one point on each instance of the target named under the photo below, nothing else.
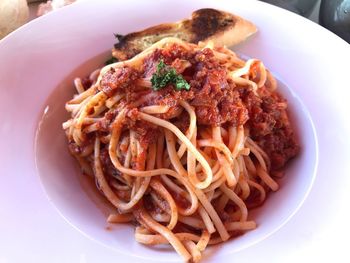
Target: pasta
(185, 161)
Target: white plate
(39, 59)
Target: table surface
(33, 7)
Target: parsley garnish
(111, 61)
(167, 75)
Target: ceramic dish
(46, 214)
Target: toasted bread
(222, 28)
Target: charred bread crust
(207, 24)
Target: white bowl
(74, 41)
(78, 201)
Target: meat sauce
(216, 100)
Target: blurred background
(331, 14)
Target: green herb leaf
(181, 83)
(161, 65)
(167, 75)
(111, 61)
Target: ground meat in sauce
(269, 125)
(215, 98)
(119, 78)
